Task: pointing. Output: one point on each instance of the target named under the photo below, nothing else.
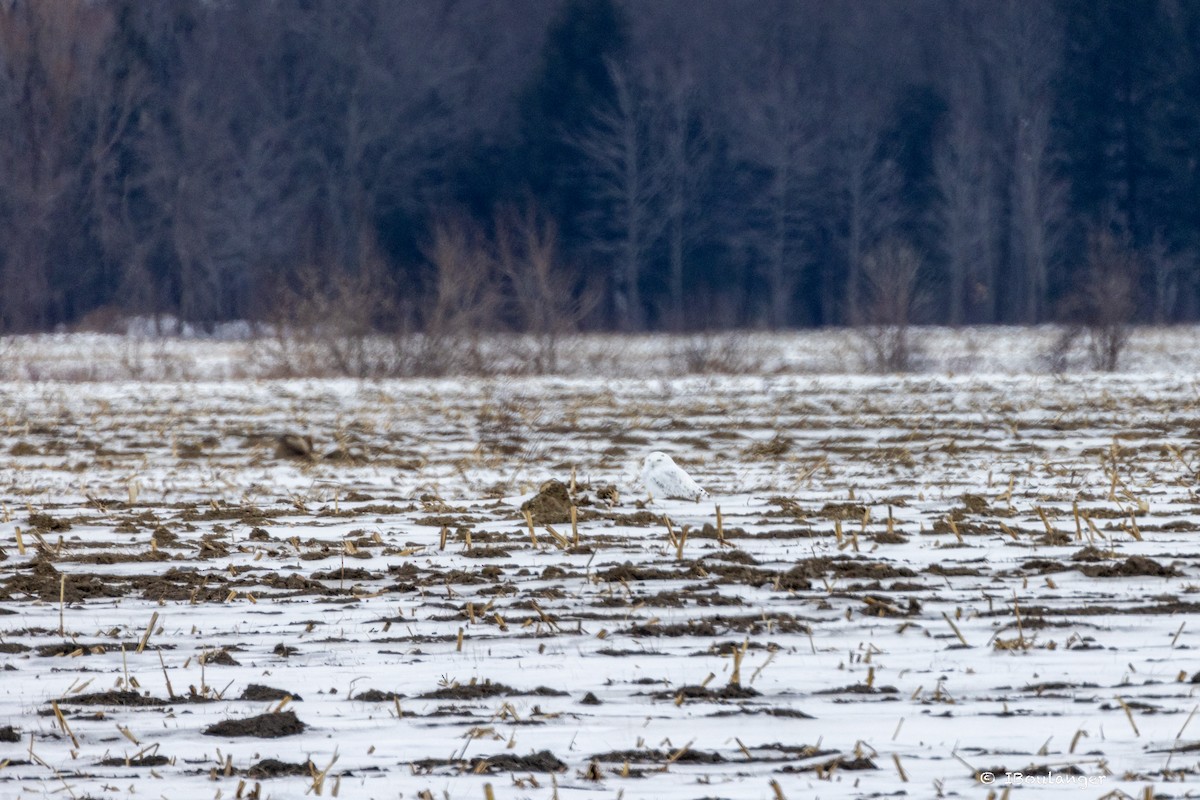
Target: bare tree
(547, 304)
(48, 56)
(627, 178)
(893, 294)
(464, 298)
(1102, 305)
(870, 186)
(865, 183)
(968, 214)
(1107, 297)
(783, 134)
(1165, 267)
(329, 323)
(1026, 46)
(685, 158)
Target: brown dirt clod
(263, 726)
(551, 505)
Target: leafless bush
(326, 321)
(465, 301)
(892, 295)
(1099, 312)
(544, 300)
(714, 353)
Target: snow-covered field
(232, 353)
(914, 585)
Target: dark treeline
(544, 164)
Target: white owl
(663, 478)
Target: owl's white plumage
(663, 478)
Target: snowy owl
(663, 478)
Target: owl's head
(657, 458)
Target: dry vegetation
(283, 587)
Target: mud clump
(345, 455)
(630, 572)
(860, 688)
(772, 448)
(692, 627)
(1044, 566)
(295, 446)
(259, 693)
(795, 580)
(551, 505)
(376, 696)
(45, 582)
(45, 522)
(728, 692)
(110, 557)
(542, 761)
(351, 574)
(477, 691)
(843, 511)
(470, 691)
(274, 768)
(976, 504)
(220, 657)
(840, 763)
(142, 761)
(608, 494)
(264, 726)
(113, 698)
(1132, 566)
(658, 757)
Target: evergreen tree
(572, 81)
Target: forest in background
(550, 165)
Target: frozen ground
(916, 583)
(231, 353)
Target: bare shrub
(465, 300)
(892, 294)
(1099, 311)
(714, 353)
(325, 321)
(545, 301)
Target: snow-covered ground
(918, 584)
(232, 353)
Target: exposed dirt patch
(630, 572)
(541, 761)
(73, 649)
(48, 523)
(347, 574)
(259, 693)
(376, 696)
(551, 505)
(42, 580)
(727, 692)
(774, 447)
(839, 763)
(140, 761)
(113, 698)
(1134, 565)
(273, 768)
(220, 657)
(860, 688)
(843, 511)
(263, 726)
(650, 756)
